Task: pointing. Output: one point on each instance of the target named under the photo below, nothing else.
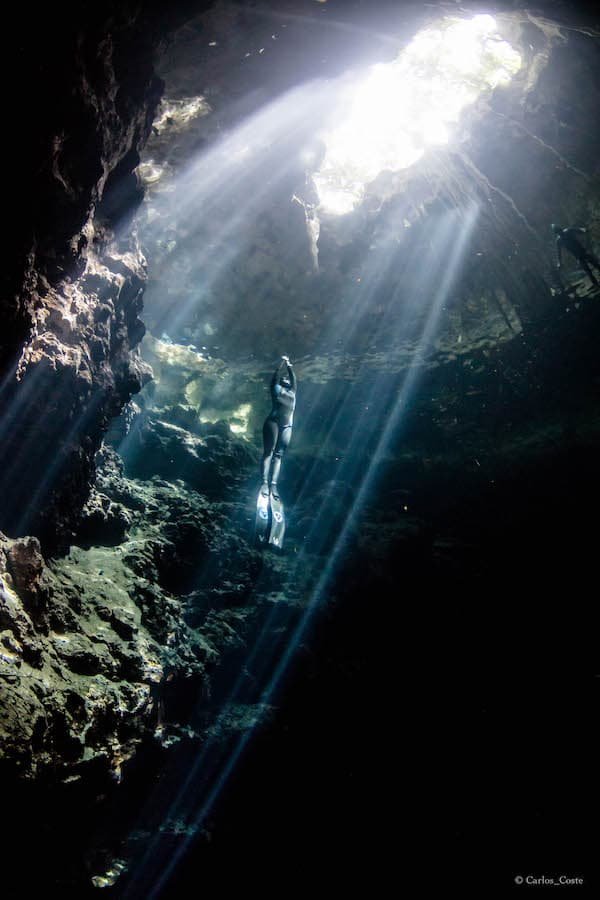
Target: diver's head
(286, 383)
(556, 228)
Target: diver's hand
(286, 359)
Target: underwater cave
(385, 674)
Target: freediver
(566, 238)
(277, 428)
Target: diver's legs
(275, 474)
(585, 260)
(283, 441)
(270, 432)
(593, 261)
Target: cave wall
(82, 101)
(130, 643)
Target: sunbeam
(414, 271)
(300, 319)
(380, 419)
(251, 162)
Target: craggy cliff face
(173, 233)
(71, 292)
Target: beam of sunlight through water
(269, 662)
(258, 157)
(27, 405)
(261, 655)
(56, 464)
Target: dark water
(438, 724)
(441, 725)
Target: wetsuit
(277, 429)
(567, 238)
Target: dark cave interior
(408, 694)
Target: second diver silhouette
(567, 239)
(277, 433)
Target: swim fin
(277, 522)
(262, 521)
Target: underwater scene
(300, 438)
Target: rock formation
(166, 244)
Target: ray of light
(261, 654)
(250, 162)
(26, 407)
(56, 464)
(369, 419)
(269, 663)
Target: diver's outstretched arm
(277, 373)
(293, 378)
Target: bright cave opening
(388, 119)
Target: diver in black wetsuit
(567, 238)
(277, 430)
